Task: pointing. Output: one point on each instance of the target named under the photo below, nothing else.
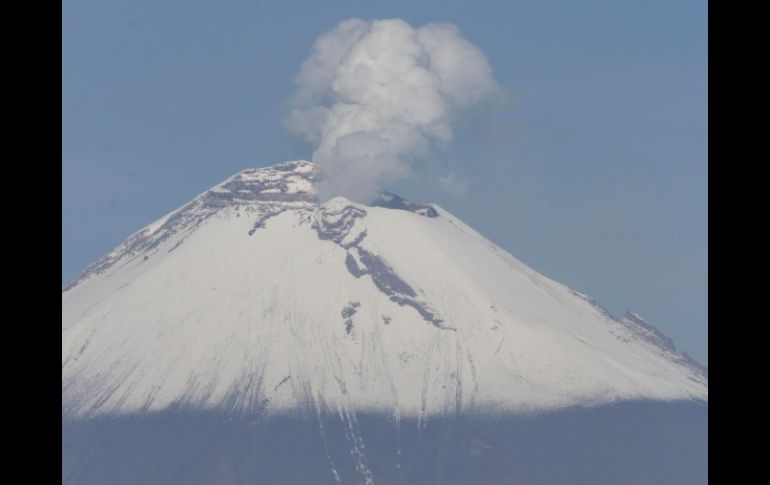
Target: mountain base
(630, 443)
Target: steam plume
(373, 97)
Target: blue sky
(593, 169)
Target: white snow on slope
(254, 298)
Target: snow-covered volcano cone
(354, 330)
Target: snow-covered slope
(254, 298)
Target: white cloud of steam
(373, 97)
(453, 184)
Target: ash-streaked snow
(256, 299)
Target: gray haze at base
(631, 443)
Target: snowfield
(258, 300)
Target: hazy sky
(592, 169)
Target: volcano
(260, 335)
